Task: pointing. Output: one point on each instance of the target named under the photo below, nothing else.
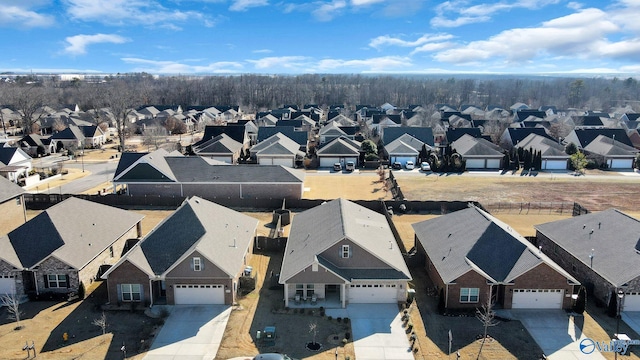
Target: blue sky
(325, 36)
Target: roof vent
(197, 201)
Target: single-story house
(194, 256)
(600, 250)
(472, 258)
(332, 131)
(65, 247)
(35, 145)
(277, 150)
(71, 138)
(478, 153)
(94, 137)
(14, 163)
(553, 155)
(342, 253)
(161, 173)
(221, 148)
(611, 153)
(405, 148)
(340, 150)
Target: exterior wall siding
(127, 273)
(581, 271)
(360, 258)
(12, 215)
(53, 266)
(151, 190)
(321, 276)
(470, 279)
(89, 273)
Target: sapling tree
(487, 317)
(12, 303)
(101, 322)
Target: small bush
(329, 318)
(339, 319)
(347, 335)
(346, 320)
(345, 341)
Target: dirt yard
(45, 322)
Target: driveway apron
(190, 332)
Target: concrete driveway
(377, 331)
(632, 318)
(556, 333)
(190, 332)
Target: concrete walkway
(558, 334)
(632, 318)
(377, 331)
(190, 332)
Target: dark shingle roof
(455, 134)
(195, 169)
(127, 159)
(6, 154)
(586, 136)
(613, 236)
(237, 133)
(424, 134)
(518, 134)
(300, 137)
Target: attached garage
(483, 163)
(620, 163)
(554, 164)
(537, 299)
(372, 293)
(631, 302)
(226, 159)
(327, 162)
(266, 160)
(198, 294)
(7, 284)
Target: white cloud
(365, 2)
(77, 45)
(386, 40)
(469, 14)
(327, 11)
(262, 51)
(123, 12)
(582, 35)
(378, 64)
(278, 62)
(178, 67)
(431, 47)
(243, 5)
(22, 15)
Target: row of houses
(198, 254)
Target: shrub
(346, 320)
(329, 318)
(347, 335)
(581, 301)
(81, 291)
(339, 319)
(344, 341)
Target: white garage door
(198, 294)
(327, 162)
(275, 161)
(7, 284)
(493, 163)
(631, 302)
(554, 165)
(475, 163)
(372, 293)
(403, 159)
(537, 298)
(621, 163)
(226, 159)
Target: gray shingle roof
(404, 144)
(220, 234)
(468, 145)
(315, 230)
(614, 239)
(221, 144)
(472, 239)
(74, 231)
(340, 146)
(548, 147)
(9, 190)
(606, 146)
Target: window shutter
(119, 288)
(191, 264)
(46, 282)
(67, 278)
(202, 264)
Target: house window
(131, 292)
(309, 290)
(57, 281)
(346, 251)
(197, 264)
(469, 295)
(300, 289)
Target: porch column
(343, 295)
(286, 295)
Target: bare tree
(12, 303)
(122, 99)
(154, 136)
(101, 322)
(29, 102)
(487, 317)
(313, 328)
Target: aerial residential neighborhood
(241, 232)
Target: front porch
(303, 296)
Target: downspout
(35, 280)
(150, 293)
(240, 190)
(446, 298)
